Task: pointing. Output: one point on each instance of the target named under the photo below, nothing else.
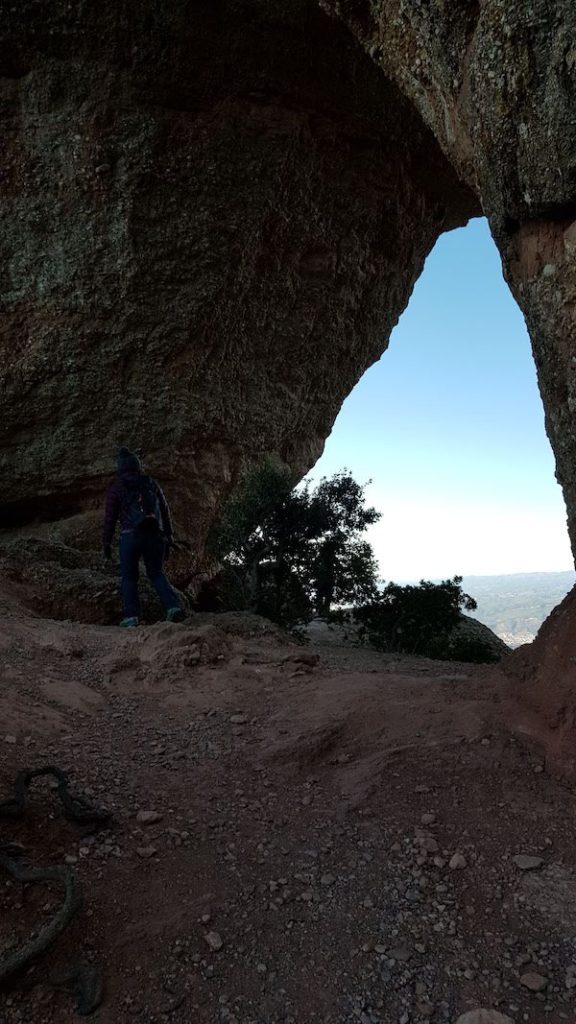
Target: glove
(107, 552)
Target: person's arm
(111, 513)
(165, 513)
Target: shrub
(414, 619)
(290, 555)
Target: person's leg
(129, 556)
(153, 555)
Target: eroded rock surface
(541, 677)
(496, 83)
(59, 582)
(211, 217)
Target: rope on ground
(72, 902)
(76, 808)
(84, 983)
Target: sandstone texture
(59, 582)
(495, 81)
(211, 217)
(541, 677)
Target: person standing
(138, 503)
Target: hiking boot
(175, 615)
(130, 621)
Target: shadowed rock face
(495, 81)
(540, 677)
(212, 215)
(540, 262)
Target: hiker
(145, 532)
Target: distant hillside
(515, 606)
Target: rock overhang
(213, 215)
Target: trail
(315, 834)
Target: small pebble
(481, 1016)
(458, 862)
(214, 941)
(527, 863)
(145, 851)
(534, 982)
(148, 817)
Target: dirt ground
(333, 836)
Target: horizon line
(490, 575)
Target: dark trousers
(149, 547)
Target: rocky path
(298, 836)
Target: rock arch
(214, 211)
(212, 216)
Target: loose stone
(534, 982)
(144, 851)
(148, 817)
(481, 1016)
(527, 863)
(458, 862)
(214, 941)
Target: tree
(240, 541)
(415, 619)
(292, 554)
(343, 568)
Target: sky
(449, 427)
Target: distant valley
(515, 606)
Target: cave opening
(449, 428)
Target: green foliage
(473, 649)
(290, 555)
(262, 492)
(416, 619)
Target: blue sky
(449, 427)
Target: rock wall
(211, 216)
(541, 269)
(540, 690)
(494, 80)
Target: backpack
(142, 505)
